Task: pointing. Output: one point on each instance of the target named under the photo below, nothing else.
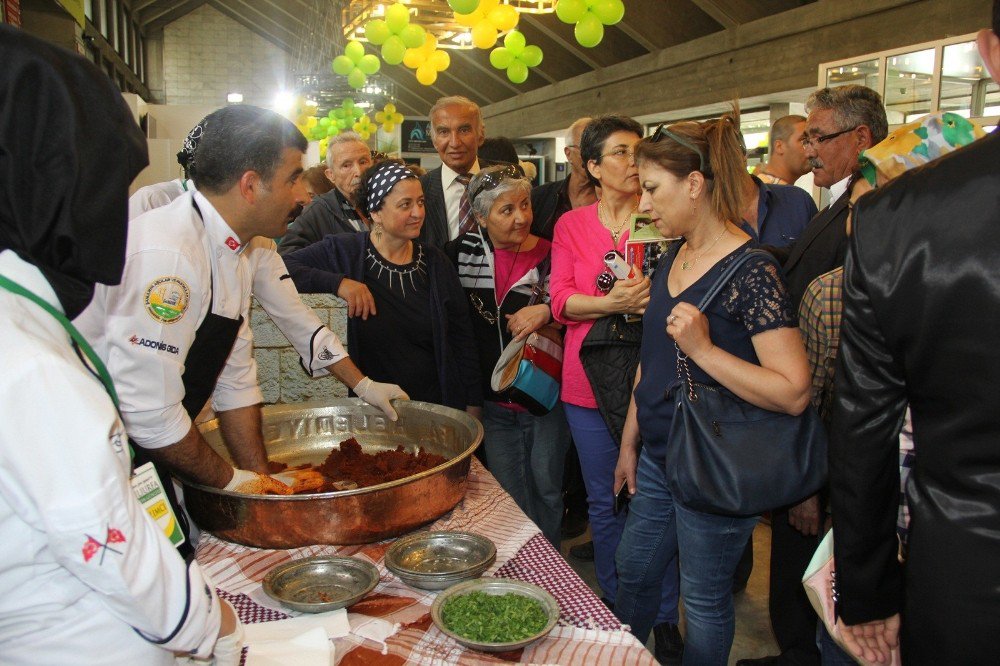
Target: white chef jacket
(83, 569)
(143, 328)
(318, 347)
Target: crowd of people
(872, 311)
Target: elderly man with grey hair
(501, 265)
(347, 157)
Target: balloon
(571, 11)
(412, 36)
(396, 17)
(517, 72)
(324, 121)
(463, 6)
(608, 12)
(589, 31)
(514, 41)
(357, 79)
(426, 74)
(484, 35)
(504, 18)
(369, 64)
(347, 105)
(354, 50)
(333, 130)
(440, 60)
(413, 58)
(390, 108)
(388, 127)
(377, 31)
(394, 49)
(531, 55)
(342, 65)
(312, 122)
(358, 112)
(501, 58)
(338, 114)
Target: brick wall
(207, 55)
(279, 371)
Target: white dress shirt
(453, 196)
(837, 189)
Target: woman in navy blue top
(691, 175)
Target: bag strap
(538, 291)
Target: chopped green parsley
(494, 618)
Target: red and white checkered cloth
(587, 633)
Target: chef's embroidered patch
(92, 546)
(167, 299)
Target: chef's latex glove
(254, 483)
(379, 395)
(229, 647)
(302, 480)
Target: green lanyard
(88, 351)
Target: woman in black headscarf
(85, 573)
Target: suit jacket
(820, 248)
(435, 230)
(325, 215)
(548, 203)
(920, 322)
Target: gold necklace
(687, 250)
(615, 234)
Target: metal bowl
(496, 586)
(320, 584)
(305, 433)
(437, 560)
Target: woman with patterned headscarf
(408, 318)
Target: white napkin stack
(304, 640)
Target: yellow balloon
(504, 18)
(388, 127)
(484, 35)
(440, 60)
(469, 20)
(413, 58)
(426, 74)
(312, 121)
(390, 108)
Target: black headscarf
(69, 148)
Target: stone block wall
(279, 370)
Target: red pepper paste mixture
(349, 467)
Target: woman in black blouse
(408, 316)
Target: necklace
(617, 232)
(474, 298)
(377, 265)
(690, 264)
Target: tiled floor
(753, 632)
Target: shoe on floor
(668, 644)
(573, 525)
(583, 551)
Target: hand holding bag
(726, 456)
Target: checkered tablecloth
(587, 633)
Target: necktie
(465, 219)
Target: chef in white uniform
(86, 576)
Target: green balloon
(342, 123)
(608, 12)
(354, 50)
(514, 41)
(317, 132)
(338, 114)
(517, 72)
(369, 64)
(377, 31)
(589, 31)
(463, 6)
(571, 11)
(413, 36)
(357, 79)
(333, 130)
(393, 50)
(501, 58)
(342, 65)
(396, 17)
(324, 122)
(532, 56)
(358, 112)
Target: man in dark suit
(457, 131)
(842, 122)
(921, 311)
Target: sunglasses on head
(492, 179)
(662, 131)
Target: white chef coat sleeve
(237, 383)
(72, 485)
(318, 347)
(150, 320)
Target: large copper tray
(305, 432)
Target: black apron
(213, 342)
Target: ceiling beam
(715, 9)
(466, 56)
(278, 6)
(636, 36)
(580, 55)
(158, 15)
(285, 44)
(139, 5)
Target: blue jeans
(647, 554)
(830, 653)
(710, 547)
(527, 455)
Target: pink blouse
(579, 244)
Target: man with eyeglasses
(842, 122)
(551, 200)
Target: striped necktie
(465, 220)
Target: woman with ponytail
(691, 176)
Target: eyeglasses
(662, 131)
(619, 153)
(491, 179)
(812, 141)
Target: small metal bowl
(496, 586)
(437, 560)
(319, 584)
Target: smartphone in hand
(621, 499)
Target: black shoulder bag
(727, 456)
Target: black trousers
(793, 619)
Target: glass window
(966, 86)
(908, 85)
(862, 73)
(88, 9)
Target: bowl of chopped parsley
(495, 614)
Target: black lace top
(756, 300)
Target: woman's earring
(378, 231)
